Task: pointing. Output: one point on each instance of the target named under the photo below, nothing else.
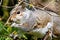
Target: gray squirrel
(35, 21)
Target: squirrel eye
(18, 12)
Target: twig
(0, 2)
(7, 6)
(7, 20)
(48, 34)
(48, 4)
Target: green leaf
(8, 38)
(24, 37)
(9, 29)
(1, 26)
